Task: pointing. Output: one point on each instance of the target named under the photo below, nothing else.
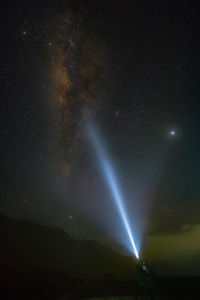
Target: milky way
(79, 72)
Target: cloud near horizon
(178, 252)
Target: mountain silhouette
(29, 246)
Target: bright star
(172, 132)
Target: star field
(135, 66)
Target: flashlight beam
(112, 182)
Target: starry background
(135, 65)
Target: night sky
(136, 66)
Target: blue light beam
(112, 182)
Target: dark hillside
(29, 246)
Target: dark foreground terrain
(58, 285)
(76, 269)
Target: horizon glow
(112, 182)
